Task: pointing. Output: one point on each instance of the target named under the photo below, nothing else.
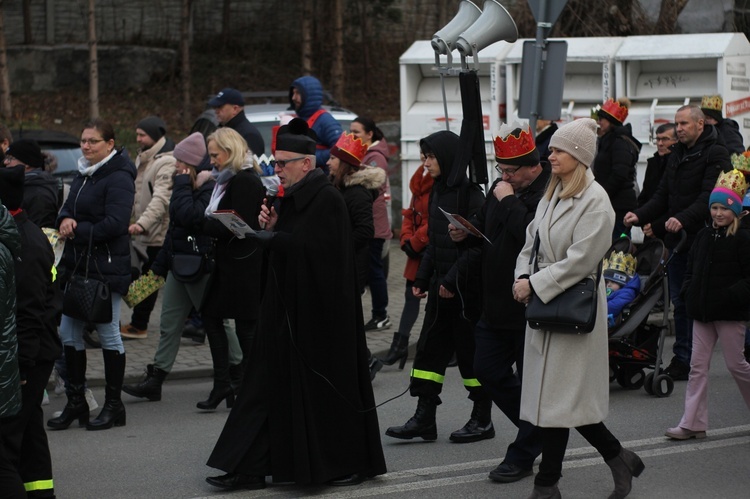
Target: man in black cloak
(305, 412)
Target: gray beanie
(153, 126)
(191, 150)
(577, 138)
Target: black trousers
(444, 332)
(497, 350)
(555, 441)
(25, 437)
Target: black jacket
(249, 132)
(717, 280)
(685, 187)
(729, 131)
(102, 201)
(614, 167)
(504, 223)
(36, 323)
(439, 264)
(42, 197)
(186, 214)
(655, 166)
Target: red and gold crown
(349, 149)
(615, 110)
(733, 180)
(516, 147)
(712, 102)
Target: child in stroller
(623, 284)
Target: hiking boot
(150, 387)
(378, 323)
(422, 424)
(677, 370)
(133, 333)
(479, 427)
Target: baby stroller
(634, 344)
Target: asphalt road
(161, 453)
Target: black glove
(263, 237)
(410, 252)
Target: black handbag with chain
(87, 298)
(572, 311)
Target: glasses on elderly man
(507, 171)
(283, 162)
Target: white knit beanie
(577, 138)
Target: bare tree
(28, 37)
(307, 36)
(93, 62)
(5, 107)
(668, 13)
(337, 64)
(185, 55)
(226, 14)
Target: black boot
(76, 408)
(150, 387)
(217, 339)
(236, 372)
(479, 426)
(540, 492)
(624, 467)
(113, 412)
(374, 363)
(399, 351)
(422, 424)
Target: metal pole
(541, 31)
(442, 85)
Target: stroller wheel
(664, 386)
(648, 385)
(630, 377)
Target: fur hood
(370, 177)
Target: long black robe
(307, 379)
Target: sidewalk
(194, 359)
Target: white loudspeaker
(493, 25)
(443, 42)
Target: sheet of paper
(234, 222)
(461, 223)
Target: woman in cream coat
(565, 376)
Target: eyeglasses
(507, 171)
(665, 139)
(91, 142)
(283, 162)
(8, 159)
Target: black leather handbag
(87, 298)
(572, 311)
(188, 267)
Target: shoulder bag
(572, 311)
(87, 298)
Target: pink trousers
(731, 334)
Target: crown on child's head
(741, 162)
(615, 109)
(621, 262)
(350, 149)
(733, 180)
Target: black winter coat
(236, 283)
(686, 186)
(655, 166)
(42, 197)
(186, 214)
(717, 280)
(249, 132)
(614, 167)
(729, 131)
(439, 264)
(504, 223)
(103, 202)
(36, 315)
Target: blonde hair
(576, 185)
(733, 227)
(232, 143)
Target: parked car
(65, 147)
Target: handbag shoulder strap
(535, 249)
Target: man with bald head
(681, 203)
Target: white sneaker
(59, 384)
(45, 398)
(90, 400)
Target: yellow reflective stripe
(472, 382)
(39, 485)
(437, 378)
(54, 273)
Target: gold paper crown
(713, 102)
(741, 162)
(733, 180)
(615, 109)
(620, 262)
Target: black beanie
(11, 186)
(26, 151)
(153, 126)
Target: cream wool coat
(153, 189)
(566, 376)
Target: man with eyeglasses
(666, 137)
(499, 333)
(305, 411)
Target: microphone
(271, 194)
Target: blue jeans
(378, 284)
(683, 328)
(71, 330)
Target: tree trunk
(226, 14)
(364, 27)
(307, 37)
(668, 13)
(337, 64)
(185, 56)
(5, 107)
(28, 37)
(93, 63)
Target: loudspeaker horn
(443, 42)
(493, 25)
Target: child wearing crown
(717, 295)
(623, 284)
